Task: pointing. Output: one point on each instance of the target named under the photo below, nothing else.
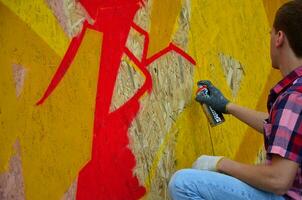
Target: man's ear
(280, 37)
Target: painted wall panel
(53, 138)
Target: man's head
(287, 31)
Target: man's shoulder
(295, 88)
(291, 97)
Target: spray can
(215, 118)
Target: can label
(214, 117)
(202, 90)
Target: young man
(219, 178)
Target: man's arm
(254, 119)
(277, 177)
(219, 103)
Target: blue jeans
(206, 185)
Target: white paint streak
(19, 73)
(233, 72)
(11, 182)
(71, 193)
(70, 15)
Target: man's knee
(183, 183)
(177, 180)
(188, 183)
(177, 183)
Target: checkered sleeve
(285, 137)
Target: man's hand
(207, 163)
(215, 99)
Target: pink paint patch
(288, 119)
(59, 12)
(19, 73)
(12, 182)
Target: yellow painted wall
(55, 139)
(247, 154)
(240, 30)
(37, 15)
(163, 19)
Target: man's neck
(289, 63)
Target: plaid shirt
(283, 128)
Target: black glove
(215, 98)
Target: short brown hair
(289, 20)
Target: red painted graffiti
(109, 173)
